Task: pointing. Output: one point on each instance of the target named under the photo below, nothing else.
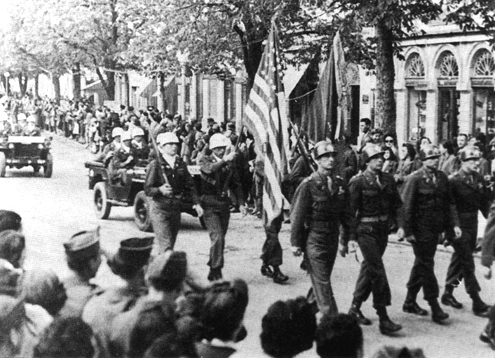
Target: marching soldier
(374, 203)
(218, 175)
(166, 199)
(320, 205)
(470, 195)
(425, 215)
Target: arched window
(484, 66)
(448, 66)
(415, 67)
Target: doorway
(448, 111)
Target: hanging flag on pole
(341, 85)
(266, 119)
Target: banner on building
(266, 119)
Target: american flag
(265, 118)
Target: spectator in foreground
(402, 352)
(66, 337)
(10, 220)
(43, 287)
(339, 336)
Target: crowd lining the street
(161, 311)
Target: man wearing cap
(108, 151)
(83, 256)
(167, 196)
(122, 161)
(128, 263)
(470, 194)
(31, 130)
(140, 150)
(18, 128)
(320, 205)
(374, 201)
(426, 213)
(218, 176)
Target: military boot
(411, 306)
(437, 314)
(480, 308)
(387, 327)
(355, 311)
(278, 276)
(448, 298)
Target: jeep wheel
(102, 206)
(142, 212)
(48, 167)
(3, 164)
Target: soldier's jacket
(469, 194)
(179, 179)
(427, 203)
(119, 158)
(315, 207)
(79, 291)
(372, 200)
(217, 177)
(488, 245)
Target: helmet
(21, 117)
(117, 131)
(470, 152)
(31, 119)
(167, 137)
(125, 136)
(429, 151)
(218, 140)
(323, 147)
(370, 152)
(137, 132)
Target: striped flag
(266, 119)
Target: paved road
(53, 209)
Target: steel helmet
(370, 152)
(21, 117)
(137, 132)
(429, 151)
(31, 119)
(117, 131)
(470, 152)
(166, 138)
(218, 140)
(323, 147)
(125, 136)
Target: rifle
(159, 158)
(303, 150)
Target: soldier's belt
(373, 219)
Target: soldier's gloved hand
(296, 251)
(487, 272)
(199, 210)
(243, 209)
(343, 249)
(458, 232)
(229, 157)
(411, 238)
(166, 190)
(400, 234)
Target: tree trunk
(162, 91)
(76, 81)
(110, 87)
(22, 83)
(37, 85)
(385, 77)
(127, 90)
(56, 86)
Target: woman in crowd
(390, 164)
(407, 163)
(447, 159)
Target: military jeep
(107, 194)
(19, 151)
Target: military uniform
(425, 214)
(165, 212)
(374, 203)
(118, 166)
(140, 151)
(217, 177)
(321, 210)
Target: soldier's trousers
(373, 240)
(462, 261)
(217, 222)
(423, 270)
(271, 253)
(321, 251)
(166, 225)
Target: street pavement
(54, 209)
